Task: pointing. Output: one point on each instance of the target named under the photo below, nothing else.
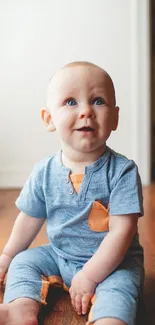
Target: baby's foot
(21, 311)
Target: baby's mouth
(86, 129)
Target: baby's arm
(108, 256)
(113, 248)
(24, 231)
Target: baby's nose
(86, 111)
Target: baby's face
(81, 104)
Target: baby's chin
(90, 149)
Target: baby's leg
(112, 321)
(115, 300)
(25, 287)
(21, 311)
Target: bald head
(104, 77)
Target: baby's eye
(98, 101)
(71, 102)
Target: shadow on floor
(59, 311)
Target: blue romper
(75, 230)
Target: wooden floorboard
(58, 301)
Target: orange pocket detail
(98, 219)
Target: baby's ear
(47, 119)
(116, 117)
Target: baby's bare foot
(21, 311)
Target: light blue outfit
(113, 180)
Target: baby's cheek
(65, 133)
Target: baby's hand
(5, 261)
(81, 291)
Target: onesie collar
(88, 169)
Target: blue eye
(71, 102)
(98, 101)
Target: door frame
(141, 84)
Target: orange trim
(90, 315)
(44, 289)
(57, 281)
(54, 280)
(76, 180)
(65, 287)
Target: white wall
(39, 36)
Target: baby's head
(81, 107)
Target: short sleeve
(31, 200)
(126, 196)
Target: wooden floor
(62, 311)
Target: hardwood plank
(60, 311)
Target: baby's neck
(77, 165)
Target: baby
(91, 199)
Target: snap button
(71, 191)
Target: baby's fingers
(73, 296)
(85, 303)
(78, 304)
